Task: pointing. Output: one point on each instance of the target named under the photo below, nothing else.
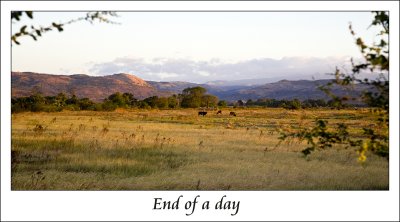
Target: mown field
(178, 150)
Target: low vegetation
(136, 149)
(375, 137)
(189, 98)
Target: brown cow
(232, 114)
(219, 112)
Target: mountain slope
(172, 87)
(284, 89)
(95, 88)
(98, 88)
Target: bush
(222, 103)
(71, 107)
(109, 106)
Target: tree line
(194, 97)
(293, 104)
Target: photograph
(199, 100)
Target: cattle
(219, 112)
(232, 114)
(202, 113)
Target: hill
(99, 87)
(285, 89)
(93, 87)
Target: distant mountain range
(255, 82)
(99, 87)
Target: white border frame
(255, 205)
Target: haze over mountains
(99, 87)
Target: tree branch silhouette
(36, 31)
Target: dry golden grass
(178, 150)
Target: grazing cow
(232, 114)
(202, 113)
(219, 112)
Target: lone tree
(195, 97)
(37, 31)
(376, 136)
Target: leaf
(33, 36)
(58, 26)
(14, 39)
(22, 30)
(15, 15)
(29, 14)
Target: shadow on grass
(64, 156)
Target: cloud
(203, 73)
(167, 69)
(166, 75)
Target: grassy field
(178, 150)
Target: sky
(195, 46)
